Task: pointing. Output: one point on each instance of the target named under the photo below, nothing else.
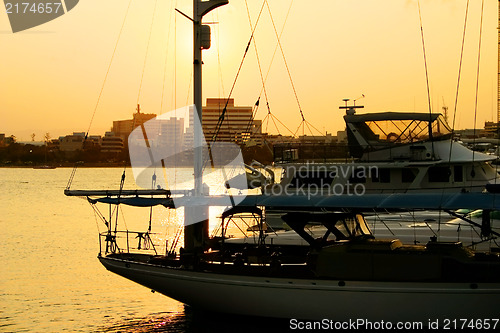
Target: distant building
(278, 138)
(491, 127)
(328, 138)
(172, 135)
(123, 128)
(467, 133)
(3, 142)
(72, 142)
(94, 139)
(110, 143)
(238, 125)
(53, 145)
(341, 136)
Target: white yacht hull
(315, 299)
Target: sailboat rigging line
(498, 96)
(177, 237)
(273, 118)
(477, 78)
(95, 218)
(269, 70)
(109, 67)
(298, 128)
(123, 217)
(147, 51)
(118, 198)
(224, 110)
(221, 117)
(260, 72)
(317, 130)
(284, 60)
(460, 69)
(70, 180)
(276, 47)
(464, 218)
(189, 87)
(426, 78)
(97, 212)
(166, 57)
(175, 60)
(215, 15)
(144, 134)
(250, 121)
(305, 123)
(458, 84)
(257, 103)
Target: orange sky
(51, 75)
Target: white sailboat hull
(315, 299)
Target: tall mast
(196, 234)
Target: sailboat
(353, 275)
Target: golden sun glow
(52, 74)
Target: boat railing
(126, 241)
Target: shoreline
(68, 165)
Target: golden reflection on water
(156, 322)
(193, 320)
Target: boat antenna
(445, 111)
(351, 109)
(360, 97)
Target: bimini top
(381, 116)
(382, 130)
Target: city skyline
(52, 74)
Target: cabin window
(362, 228)
(353, 226)
(380, 175)
(319, 178)
(346, 227)
(439, 174)
(458, 174)
(408, 175)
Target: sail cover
(367, 202)
(138, 201)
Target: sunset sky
(51, 75)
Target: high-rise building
(172, 135)
(238, 125)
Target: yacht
(393, 152)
